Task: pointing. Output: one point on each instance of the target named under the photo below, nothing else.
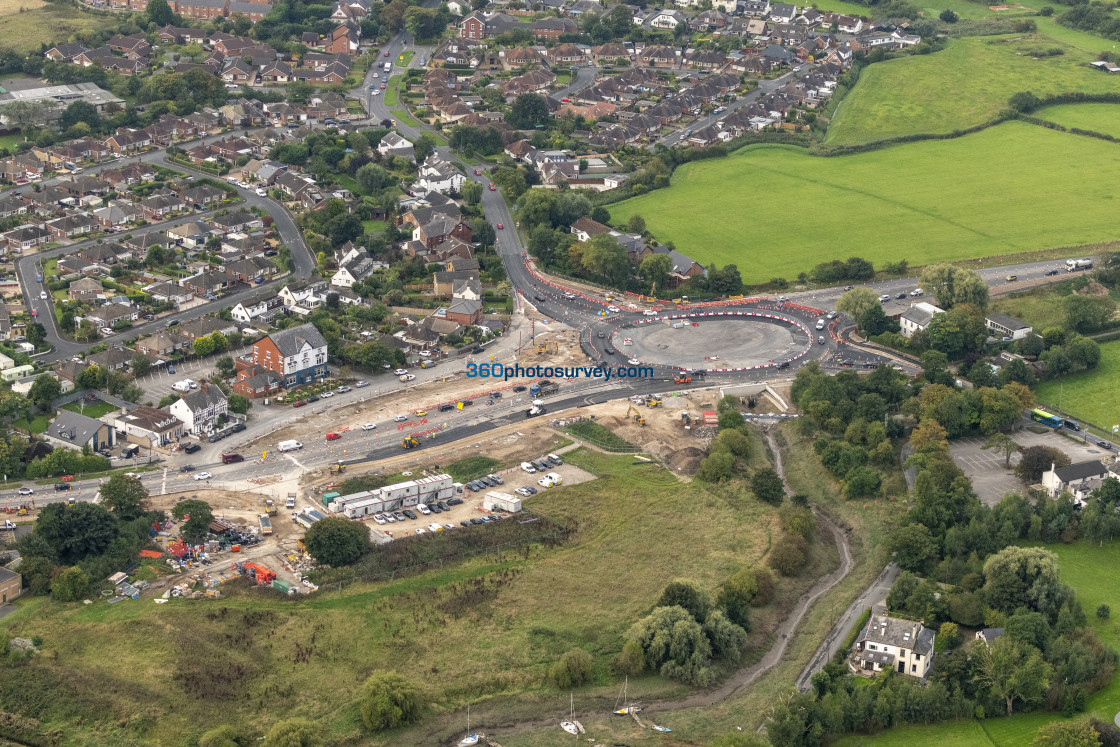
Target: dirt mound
(1093, 289)
(685, 461)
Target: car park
(203, 476)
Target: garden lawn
(1089, 395)
(38, 424)
(370, 227)
(964, 85)
(1102, 118)
(91, 411)
(776, 211)
(256, 657)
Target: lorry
(292, 445)
(388, 66)
(1073, 265)
(543, 387)
(291, 502)
(266, 524)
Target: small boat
(625, 710)
(569, 726)
(661, 728)
(471, 739)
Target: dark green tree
(336, 541)
(767, 486)
(159, 13)
(125, 496)
(528, 111)
(389, 700)
(45, 390)
(76, 531)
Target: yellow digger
(408, 442)
(638, 417)
(653, 400)
(338, 469)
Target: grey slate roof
(1081, 471)
(73, 427)
(290, 341)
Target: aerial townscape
(717, 373)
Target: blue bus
(1041, 416)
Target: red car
(492, 187)
(386, 54)
(382, 85)
(500, 226)
(300, 403)
(565, 99)
(333, 436)
(478, 172)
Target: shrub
(1103, 612)
(788, 555)
(572, 670)
(222, 736)
(950, 634)
(389, 700)
(765, 593)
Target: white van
(290, 445)
(181, 386)
(528, 468)
(555, 478)
(820, 324)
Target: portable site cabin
(504, 501)
(328, 498)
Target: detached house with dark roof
(298, 355)
(1058, 480)
(887, 643)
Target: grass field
(598, 435)
(1089, 570)
(777, 211)
(964, 85)
(1103, 118)
(274, 658)
(46, 24)
(1040, 308)
(1089, 395)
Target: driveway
(991, 480)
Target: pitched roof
(1081, 471)
(291, 341)
(73, 427)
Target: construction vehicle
(339, 468)
(23, 509)
(542, 348)
(653, 400)
(686, 421)
(638, 417)
(270, 506)
(682, 379)
(408, 442)
(543, 387)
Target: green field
(238, 660)
(1090, 571)
(777, 211)
(1102, 118)
(1089, 395)
(964, 85)
(51, 24)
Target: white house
(438, 175)
(1079, 479)
(395, 145)
(918, 317)
(262, 311)
(200, 409)
(1002, 325)
(886, 643)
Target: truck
(388, 66)
(291, 502)
(535, 410)
(266, 524)
(543, 387)
(1073, 265)
(292, 445)
(270, 506)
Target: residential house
(988, 635)
(918, 317)
(438, 175)
(1058, 480)
(200, 409)
(783, 13)
(160, 345)
(85, 289)
(26, 237)
(204, 9)
(261, 312)
(585, 228)
(393, 144)
(666, 19)
(206, 326)
(146, 426)
(297, 354)
(464, 311)
(256, 381)
(484, 25)
(72, 430)
(888, 643)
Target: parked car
(343, 389)
(361, 384)
(312, 398)
(327, 395)
(299, 403)
(232, 458)
(401, 372)
(192, 448)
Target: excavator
(408, 442)
(638, 417)
(653, 400)
(339, 468)
(542, 347)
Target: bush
(788, 555)
(222, 736)
(950, 634)
(572, 670)
(630, 660)
(70, 585)
(1103, 612)
(765, 593)
(388, 701)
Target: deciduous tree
(1012, 671)
(336, 541)
(389, 700)
(767, 486)
(125, 496)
